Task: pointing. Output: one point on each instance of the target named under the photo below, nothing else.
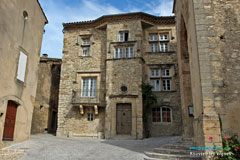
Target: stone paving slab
(48, 147)
(10, 154)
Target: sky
(62, 11)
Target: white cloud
(60, 12)
(161, 7)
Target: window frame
(122, 36)
(86, 40)
(161, 115)
(154, 47)
(164, 73)
(83, 50)
(91, 92)
(166, 84)
(151, 37)
(129, 52)
(90, 117)
(155, 85)
(118, 53)
(163, 47)
(164, 39)
(155, 70)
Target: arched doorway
(10, 119)
(185, 80)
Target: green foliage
(231, 149)
(149, 98)
(220, 121)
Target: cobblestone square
(48, 147)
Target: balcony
(88, 96)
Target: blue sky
(59, 11)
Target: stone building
(46, 103)
(208, 34)
(105, 62)
(21, 30)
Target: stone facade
(46, 103)
(113, 53)
(21, 30)
(208, 32)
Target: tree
(149, 99)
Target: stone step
(172, 151)
(177, 146)
(187, 139)
(184, 143)
(170, 156)
(149, 158)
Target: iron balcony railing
(85, 96)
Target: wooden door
(124, 118)
(9, 125)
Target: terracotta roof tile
(119, 17)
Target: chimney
(45, 55)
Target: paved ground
(48, 147)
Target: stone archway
(4, 101)
(185, 81)
(10, 119)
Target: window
(86, 42)
(162, 114)
(118, 53)
(161, 82)
(154, 47)
(90, 117)
(153, 37)
(166, 73)
(22, 64)
(123, 36)
(163, 37)
(164, 47)
(129, 52)
(160, 44)
(166, 114)
(166, 84)
(86, 51)
(155, 84)
(89, 87)
(155, 73)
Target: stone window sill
(167, 52)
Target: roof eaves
(43, 12)
(174, 5)
(115, 15)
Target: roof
(48, 59)
(42, 12)
(119, 17)
(174, 5)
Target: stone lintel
(123, 96)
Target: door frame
(130, 104)
(15, 117)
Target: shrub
(230, 150)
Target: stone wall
(112, 74)
(222, 27)
(74, 66)
(19, 35)
(164, 98)
(46, 104)
(212, 31)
